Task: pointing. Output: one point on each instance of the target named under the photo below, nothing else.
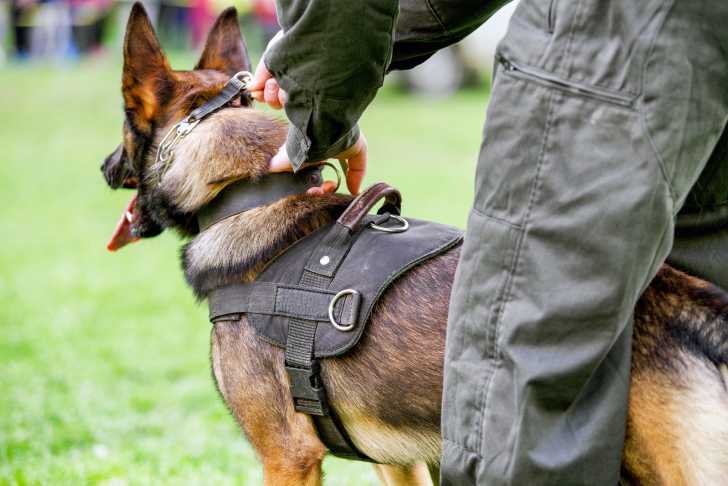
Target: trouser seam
(568, 59)
(665, 234)
(497, 219)
(643, 114)
(463, 447)
(508, 284)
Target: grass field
(104, 375)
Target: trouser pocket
(550, 80)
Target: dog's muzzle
(117, 170)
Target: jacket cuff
(316, 119)
(298, 147)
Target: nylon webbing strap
(301, 302)
(309, 395)
(307, 389)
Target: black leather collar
(244, 195)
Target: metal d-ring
(336, 171)
(244, 77)
(332, 304)
(396, 229)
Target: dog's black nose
(115, 168)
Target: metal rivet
(325, 260)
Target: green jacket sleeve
(331, 60)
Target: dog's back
(678, 416)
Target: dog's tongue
(123, 233)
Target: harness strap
(307, 389)
(327, 257)
(298, 302)
(242, 196)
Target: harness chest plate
(316, 298)
(374, 260)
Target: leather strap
(282, 300)
(244, 195)
(232, 88)
(364, 202)
(307, 389)
(326, 259)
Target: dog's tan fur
(387, 390)
(247, 133)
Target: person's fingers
(259, 78)
(256, 87)
(257, 95)
(280, 161)
(328, 187)
(271, 94)
(357, 165)
(257, 84)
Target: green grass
(104, 375)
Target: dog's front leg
(416, 475)
(287, 473)
(252, 380)
(293, 458)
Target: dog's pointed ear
(147, 76)
(225, 49)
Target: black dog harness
(315, 299)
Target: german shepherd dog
(386, 396)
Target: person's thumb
(280, 161)
(257, 84)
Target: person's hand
(353, 161)
(264, 88)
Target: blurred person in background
(4, 25)
(21, 12)
(58, 29)
(50, 25)
(185, 23)
(202, 16)
(602, 118)
(174, 22)
(90, 18)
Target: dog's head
(235, 143)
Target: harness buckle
(309, 394)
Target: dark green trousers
(603, 116)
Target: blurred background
(104, 374)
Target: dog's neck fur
(236, 249)
(233, 144)
(236, 144)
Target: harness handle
(363, 203)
